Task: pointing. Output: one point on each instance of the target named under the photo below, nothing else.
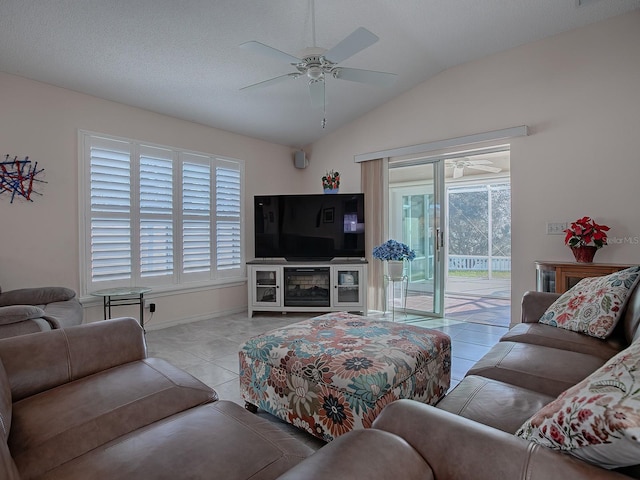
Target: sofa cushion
(542, 369)
(218, 441)
(60, 424)
(35, 325)
(493, 403)
(36, 296)
(548, 336)
(594, 305)
(597, 420)
(19, 313)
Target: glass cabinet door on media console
(266, 283)
(348, 282)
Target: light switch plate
(557, 228)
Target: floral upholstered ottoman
(336, 372)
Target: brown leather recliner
(86, 402)
(31, 310)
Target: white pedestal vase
(395, 269)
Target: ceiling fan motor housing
(315, 67)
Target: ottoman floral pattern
(333, 373)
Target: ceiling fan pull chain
(324, 107)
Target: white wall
(579, 94)
(39, 240)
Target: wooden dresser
(559, 277)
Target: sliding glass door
(416, 218)
(454, 211)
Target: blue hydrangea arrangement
(393, 250)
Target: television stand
(313, 260)
(307, 286)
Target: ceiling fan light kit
(318, 64)
(460, 164)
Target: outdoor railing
(421, 269)
(480, 263)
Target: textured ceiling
(182, 58)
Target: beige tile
(468, 351)
(230, 362)
(211, 374)
(460, 367)
(478, 338)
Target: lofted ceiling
(182, 58)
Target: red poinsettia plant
(584, 232)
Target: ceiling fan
(459, 164)
(317, 64)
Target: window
(155, 215)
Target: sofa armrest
(371, 454)
(41, 361)
(36, 296)
(459, 448)
(19, 313)
(534, 304)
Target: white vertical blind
(159, 216)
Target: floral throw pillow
(597, 420)
(594, 305)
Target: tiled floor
(208, 349)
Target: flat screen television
(309, 227)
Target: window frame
(178, 279)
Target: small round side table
(123, 296)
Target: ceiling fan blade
(381, 79)
(485, 168)
(316, 90)
(481, 162)
(360, 39)
(262, 49)
(271, 81)
(458, 172)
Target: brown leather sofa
(85, 402)
(31, 310)
(469, 434)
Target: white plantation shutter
(110, 207)
(196, 214)
(158, 216)
(228, 221)
(156, 212)
(110, 249)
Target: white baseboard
(149, 326)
